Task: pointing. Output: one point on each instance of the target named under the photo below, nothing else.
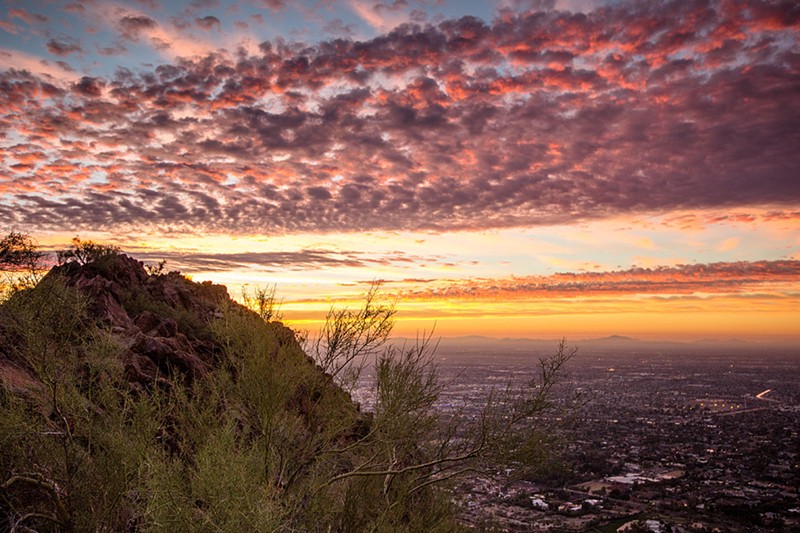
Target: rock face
(120, 388)
(162, 320)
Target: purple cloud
(26, 16)
(64, 47)
(537, 118)
(273, 5)
(740, 278)
(208, 23)
(131, 26)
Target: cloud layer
(534, 118)
(776, 278)
(303, 260)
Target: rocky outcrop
(147, 381)
(162, 320)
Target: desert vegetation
(136, 399)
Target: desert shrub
(263, 301)
(88, 252)
(350, 338)
(209, 475)
(46, 327)
(137, 301)
(157, 269)
(19, 251)
(73, 435)
(21, 264)
(267, 440)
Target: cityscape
(696, 437)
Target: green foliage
(87, 252)
(72, 434)
(263, 301)
(349, 338)
(45, 325)
(136, 302)
(20, 263)
(222, 488)
(265, 441)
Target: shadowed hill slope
(165, 324)
(142, 401)
(132, 401)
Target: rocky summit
(162, 320)
(137, 400)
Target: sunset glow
(574, 168)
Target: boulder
(158, 318)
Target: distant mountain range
(621, 343)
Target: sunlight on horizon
(497, 176)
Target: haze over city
(510, 169)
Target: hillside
(134, 401)
(137, 400)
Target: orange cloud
(728, 244)
(714, 278)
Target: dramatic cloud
(133, 25)
(274, 5)
(30, 73)
(279, 261)
(536, 118)
(208, 23)
(382, 16)
(63, 47)
(716, 278)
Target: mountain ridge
(119, 387)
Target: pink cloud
(64, 47)
(382, 17)
(14, 59)
(208, 23)
(27, 16)
(714, 278)
(538, 118)
(8, 27)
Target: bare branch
(349, 337)
(50, 487)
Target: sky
(531, 169)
